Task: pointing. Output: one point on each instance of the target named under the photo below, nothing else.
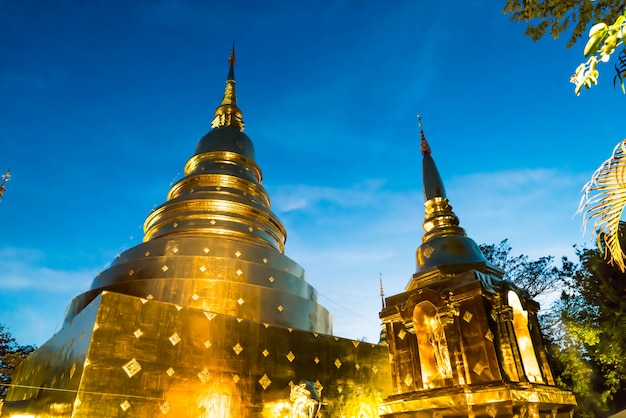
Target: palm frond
(603, 202)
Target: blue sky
(102, 103)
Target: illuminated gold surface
(232, 377)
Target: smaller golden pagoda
(464, 342)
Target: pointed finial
(231, 62)
(424, 147)
(228, 114)
(382, 292)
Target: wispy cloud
(350, 235)
(25, 268)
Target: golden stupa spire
(228, 114)
(439, 219)
(444, 242)
(221, 193)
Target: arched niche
(524, 341)
(433, 348)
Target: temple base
(133, 357)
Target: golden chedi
(463, 341)
(207, 317)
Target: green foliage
(602, 43)
(534, 276)
(555, 17)
(11, 355)
(587, 339)
(584, 330)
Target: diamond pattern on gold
(265, 352)
(213, 222)
(206, 250)
(174, 338)
(489, 335)
(178, 307)
(408, 380)
(149, 297)
(265, 260)
(280, 308)
(95, 326)
(357, 366)
(170, 372)
(240, 301)
(271, 279)
(210, 315)
(339, 388)
(478, 368)
(265, 381)
(266, 325)
(290, 330)
(132, 368)
(238, 254)
(175, 249)
(355, 343)
(147, 253)
(316, 334)
(250, 229)
(235, 378)
(239, 320)
(337, 363)
(138, 333)
(87, 362)
(204, 375)
(125, 406)
(175, 225)
(375, 369)
(402, 334)
(467, 316)
(316, 359)
(164, 408)
(165, 268)
(143, 301)
(202, 269)
(207, 343)
(195, 297)
(290, 356)
(131, 272)
(237, 348)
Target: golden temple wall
(148, 358)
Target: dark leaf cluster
(555, 17)
(536, 277)
(11, 355)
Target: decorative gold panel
(203, 371)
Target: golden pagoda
(207, 317)
(464, 342)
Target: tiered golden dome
(215, 244)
